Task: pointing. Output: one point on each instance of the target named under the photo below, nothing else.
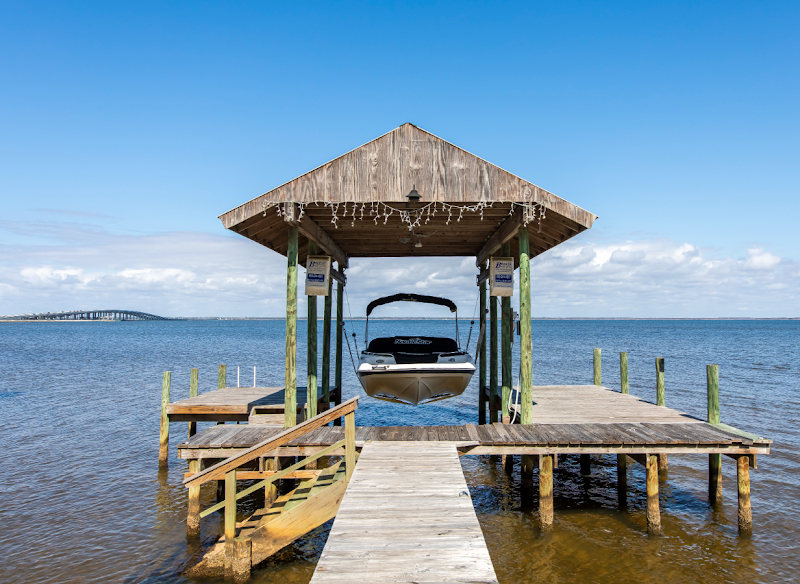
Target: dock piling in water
(163, 441)
(545, 491)
(193, 393)
(714, 460)
(660, 401)
(743, 484)
(598, 372)
(222, 377)
(623, 372)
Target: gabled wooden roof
(344, 204)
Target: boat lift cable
(350, 350)
(472, 323)
(347, 299)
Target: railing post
(714, 460)
(598, 370)
(349, 444)
(163, 441)
(193, 393)
(230, 519)
(623, 372)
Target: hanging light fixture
(413, 196)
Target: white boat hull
(415, 383)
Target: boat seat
(412, 344)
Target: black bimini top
(411, 298)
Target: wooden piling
(326, 345)
(290, 384)
(586, 464)
(193, 393)
(661, 401)
(622, 481)
(598, 373)
(311, 346)
(271, 489)
(193, 508)
(545, 491)
(493, 381)
(163, 440)
(222, 377)
(339, 332)
(743, 483)
(714, 460)
(230, 520)
(506, 342)
(525, 343)
(242, 559)
(653, 509)
(623, 372)
(481, 357)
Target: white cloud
(198, 274)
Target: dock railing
(227, 469)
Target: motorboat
(414, 369)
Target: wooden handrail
(218, 470)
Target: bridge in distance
(87, 315)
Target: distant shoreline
(540, 318)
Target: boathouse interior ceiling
(408, 193)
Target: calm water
(84, 500)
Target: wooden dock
(228, 404)
(406, 516)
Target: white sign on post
(318, 272)
(501, 277)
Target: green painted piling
(714, 460)
(290, 383)
(623, 372)
(660, 393)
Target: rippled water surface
(84, 500)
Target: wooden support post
(482, 397)
(545, 491)
(508, 464)
(230, 519)
(271, 489)
(193, 393)
(163, 439)
(242, 559)
(290, 384)
(493, 382)
(653, 509)
(311, 345)
(193, 508)
(661, 401)
(526, 342)
(622, 481)
(714, 460)
(598, 372)
(506, 342)
(586, 464)
(326, 345)
(623, 372)
(743, 482)
(222, 377)
(349, 444)
(339, 333)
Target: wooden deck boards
(406, 517)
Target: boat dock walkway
(228, 404)
(406, 516)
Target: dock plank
(418, 525)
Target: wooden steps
(313, 502)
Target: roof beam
(314, 232)
(504, 233)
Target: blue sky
(125, 129)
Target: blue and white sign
(501, 277)
(318, 273)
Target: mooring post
(193, 508)
(623, 372)
(222, 377)
(230, 520)
(545, 491)
(661, 401)
(290, 384)
(743, 483)
(482, 357)
(163, 441)
(714, 460)
(525, 343)
(326, 346)
(193, 393)
(598, 375)
(311, 345)
(653, 509)
(493, 382)
(339, 333)
(506, 341)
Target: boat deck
(406, 516)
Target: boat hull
(417, 383)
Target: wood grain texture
(406, 516)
